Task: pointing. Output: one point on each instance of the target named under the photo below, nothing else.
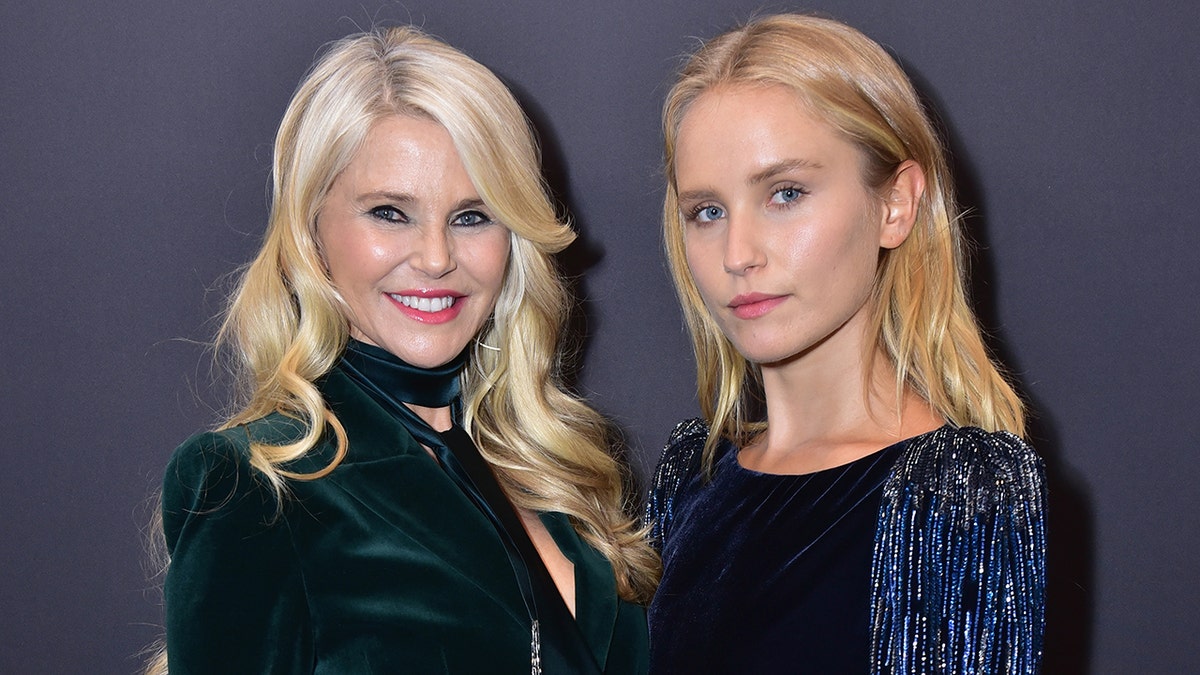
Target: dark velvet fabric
(383, 566)
(393, 384)
(385, 374)
(769, 573)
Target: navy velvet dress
(767, 573)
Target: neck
(807, 399)
(825, 409)
(438, 419)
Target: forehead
(405, 139)
(409, 154)
(733, 127)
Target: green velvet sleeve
(234, 593)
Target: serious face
(782, 236)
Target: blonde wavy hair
(286, 324)
(921, 317)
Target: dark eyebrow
(470, 203)
(783, 167)
(396, 197)
(403, 198)
(696, 195)
(762, 176)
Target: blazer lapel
(387, 473)
(595, 586)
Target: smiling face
(781, 235)
(415, 253)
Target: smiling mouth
(431, 305)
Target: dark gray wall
(136, 143)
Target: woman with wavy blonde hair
(406, 486)
(858, 497)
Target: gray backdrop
(136, 144)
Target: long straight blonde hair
(921, 317)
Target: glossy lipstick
(754, 305)
(428, 305)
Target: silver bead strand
(535, 649)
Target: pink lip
(754, 305)
(441, 316)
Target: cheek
(704, 260)
(354, 259)
(864, 247)
(331, 249)
(701, 254)
(696, 259)
(857, 256)
(847, 245)
(490, 258)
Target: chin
(429, 360)
(770, 359)
(769, 355)
(764, 357)
(431, 357)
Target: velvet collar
(393, 383)
(428, 387)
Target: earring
(475, 360)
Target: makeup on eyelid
(409, 244)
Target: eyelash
(800, 192)
(482, 219)
(381, 213)
(693, 214)
(391, 214)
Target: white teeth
(425, 304)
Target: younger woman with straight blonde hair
(858, 497)
(406, 486)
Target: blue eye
(390, 214)
(471, 219)
(787, 195)
(707, 213)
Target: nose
(744, 249)
(434, 254)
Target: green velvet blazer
(383, 566)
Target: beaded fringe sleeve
(959, 567)
(959, 572)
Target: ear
(900, 204)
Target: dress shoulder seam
(679, 463)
